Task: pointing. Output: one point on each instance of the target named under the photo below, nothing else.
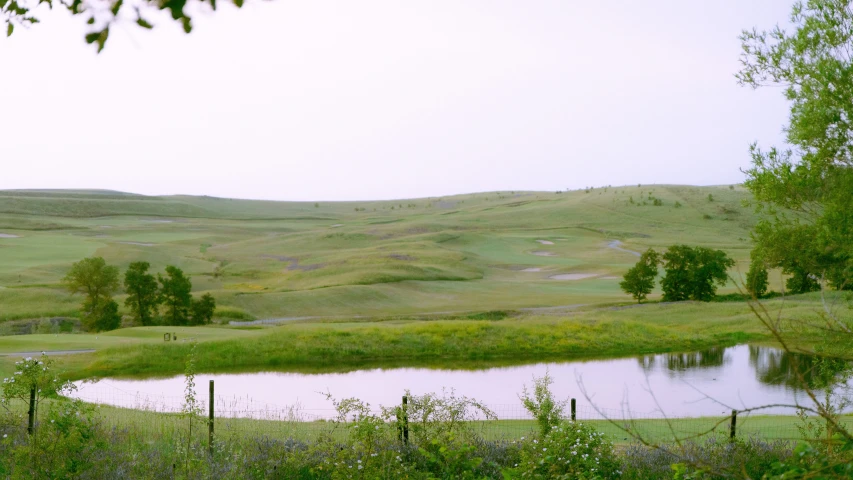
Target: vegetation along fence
(221, 416)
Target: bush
(715, 458)
(569, 451)
(547, 411)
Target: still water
(706, 383)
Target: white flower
(544, 449)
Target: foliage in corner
(101, 15)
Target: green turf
(272, 259)
(446, 341)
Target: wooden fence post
(210, 422)
(574, 409)
(733, 426)
(405, 420)
(32, 413)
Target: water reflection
(705, 383)
(794, 370)
(679, 362)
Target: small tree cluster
(145, 295)
(692, 273)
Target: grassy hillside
(477, 252)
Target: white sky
(370, 99)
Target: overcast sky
(346, 99)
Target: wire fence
(241, 416)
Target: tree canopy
(639, 281)
(203, 309)
(807, 188)
(97, 280)
(693, 273)
(175, 294)
(142, 293)
(100, 16)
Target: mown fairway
(467, 253)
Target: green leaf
(116, 7)
(102, 39)
(239, 3)
(9, 29)
(90, 21)
(144, 24)
(91, 37)
(187, 24)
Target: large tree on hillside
(807, 188)
(639, 281)
(142, 292)
(175, 294)
(97, 281)
(693, 273)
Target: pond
(706, 383)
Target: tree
(639, 281)
(203, 309)
(806, 188)
(104, 317)
(101, 15)
(97, 280)
(142, 294)
(756, 278)
(175, 290)
(694, 273)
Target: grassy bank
(441, 343)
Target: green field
(463, 253)
(448, 342)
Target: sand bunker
(545, 242)
(541, 253)
(572, 276)
(158, 221)
(532, 269)
(610, 278)
(8, 235)
(141, 244)
(337, 225)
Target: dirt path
(616, 245)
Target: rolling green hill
(476, 252)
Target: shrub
(714, 458)
(547, 411)
(569, 451)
